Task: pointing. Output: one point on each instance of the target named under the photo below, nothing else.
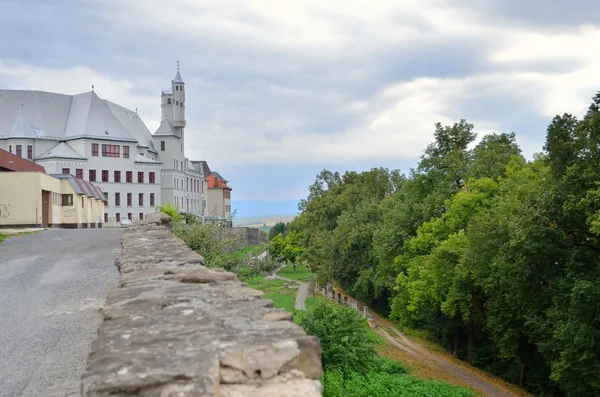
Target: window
(151, 177)
(176, 103)
(117, 176)
(105, 217)
(175, 164)
(187, 184)
(29, 152)
(152, 199)
(79, 173)
(181, 105)
(176, 88)
(141, 177)
(129, 199)
(10, 148)
(129, 216)
(162, 146)
(141, 200)
(82, 202)
(129, 177)
(95, 150)
(168, 101)
(125, 152)
(92, 177)
(19, 151)
(111, 150)
(67, 200)
(141, 216)
(66, 171)
(117, 199)
(104, 175)
(106, 201)
(118, 217)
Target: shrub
(345, 337)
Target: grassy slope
(423, 384)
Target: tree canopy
(495, 256)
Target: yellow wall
(21, 201)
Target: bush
(345, 337)
(172, 211)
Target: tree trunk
(522, 375)
(470, 341)
(294, 267)
(456, 341)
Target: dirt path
(302, 292)
(481, 384)
(420, 353)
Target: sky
(277, 91)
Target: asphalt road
(52, 285)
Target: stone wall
(250, 235)
(175, 328)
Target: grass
(5, 236)
(283, 297)
(302, 273)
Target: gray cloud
(541, 14)
(253, 88)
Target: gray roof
(134, 125)
(63, 150)
(58, 116)
(143, 159)
(165, 128)
(83, 187)
(205, 168)
(178, 78)
(194, 167)
(22, 128)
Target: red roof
(12, 162)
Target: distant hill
(262, 220)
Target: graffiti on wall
(71, 212)
(4, 212)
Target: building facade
(218, 198)
(106, 144)
(31, 198)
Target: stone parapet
(175, 328)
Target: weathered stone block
(178, 328)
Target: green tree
(278, 228)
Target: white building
(109, 145)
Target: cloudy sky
(278, 90)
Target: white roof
(58, 116)
(165, 128)
(143, 159)
(63, 150)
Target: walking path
(302, 291)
